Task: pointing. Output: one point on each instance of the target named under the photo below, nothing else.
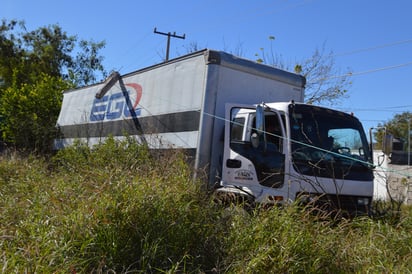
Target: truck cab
(282, 152)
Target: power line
(134, 64)
(387, 109)
(373, 48)
(361, 72)
(127, 51)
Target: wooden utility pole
(168, 40)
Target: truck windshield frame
(330, 144)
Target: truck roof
(213, 57)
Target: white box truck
(244, 123)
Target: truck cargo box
(176, 104)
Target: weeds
(119, 209)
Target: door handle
(233, 163)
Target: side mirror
(260, 119)
(254, 139)
(260, 127)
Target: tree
(398, 127)
(24, 55)
(35, 67)
(325, 84)
(87, 62)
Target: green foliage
(114, 208)
(119, 208)
(26, 55)
(87, 63)
(284, 240)
(35, 67)
(295, 241)
(29, 113)
(298, 69)
(398, 127)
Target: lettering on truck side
(244, 174)
(112, 107)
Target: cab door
(253, 156)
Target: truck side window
(237, 129)
(273, 131)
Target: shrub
(29, 113)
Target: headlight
(363, 201)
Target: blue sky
(373, 39)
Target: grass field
(118, 209)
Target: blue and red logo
(114, 106)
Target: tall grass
(114, 208)
(120, 209)
(292, 240)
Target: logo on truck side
(114, 106)
(243, 175)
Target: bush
(29, 113)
